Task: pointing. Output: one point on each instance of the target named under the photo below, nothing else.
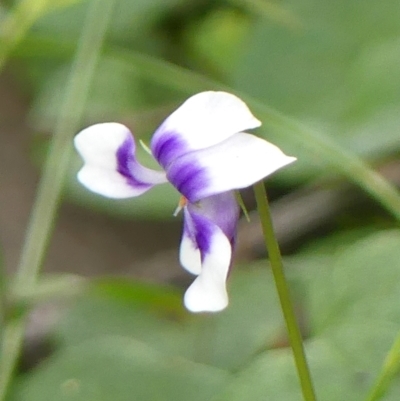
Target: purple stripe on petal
(222, 209)
(167, 146)
(135, 174)
(126, 162)
(204, 231)
(202, 218)
(200, 230)
(188, 177)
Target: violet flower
(205, 156)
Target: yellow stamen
(182, 203)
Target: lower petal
(208, 291)
(206, 250)
(110, 166)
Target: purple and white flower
(205, 155)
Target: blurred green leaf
(119, 368)
(17, 22)
(347, 298)
(351, 306)
(50, 286)
(273, 376)
(218, 39)
(114, 94)
(360, 282)
(155, 315)
(252, 323)
(163, 300)
(339, 73)
(130, 19)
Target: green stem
(275, 258)
(3, 299)
(49, 192)
(390, 368)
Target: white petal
(189, 255)
(208, 292)
(203, 120)
(111, 169)
(189, 251)
(238, 162)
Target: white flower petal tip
(200, 297)
(93, 141)
(208, 291)
(110, 167)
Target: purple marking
(126, 162)
(188, 177)
(167, 146)
(204, 231)
(200, 230)
(222, 209)
(202, 218)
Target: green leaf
(337, 72)
(359, 282)
(252, 323)
(155, 315)
(273, 376)
(130, 19)
(117, 369)
(17, 22)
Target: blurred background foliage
(331, 64)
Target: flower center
(181, 204)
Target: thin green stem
(275, 258)
(3, 299)
(390, 368)
(46, 204)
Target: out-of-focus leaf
(253, 321)
(273, 376)
(116, 369)
(163, 300)
(339, 73)
(115, 94)
(130, 19)
(218, 39)
(16, 22)
(359, 283)
(155, 315)
(351, 305)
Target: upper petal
(203, 120)
(235, 163)
(110, 166)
